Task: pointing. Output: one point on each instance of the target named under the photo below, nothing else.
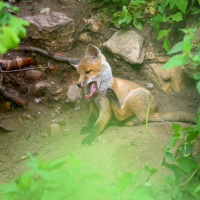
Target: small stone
(45, 11)
(33, 75)
(85, 38)
(24, 115)
(149, 85)
(74, 93)
(59, 90)
(115, 59)
(23, 157)
(55, 129)
(40, 89)
(28, 117)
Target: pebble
(23, 157)
(45, 11)
(33, 75)
(55, 129)
(28, 117)
(149, 85)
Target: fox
(125, 99)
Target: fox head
(95, 72)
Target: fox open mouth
(91, 88)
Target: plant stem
(147, 125)
(190, 176)
(189, 8)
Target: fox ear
(92, 53)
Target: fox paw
(112, 96)
(84, 130)
(88, 140)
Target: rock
(74, 93)
(128, 45)
(33, 75)
(85, 38)
(171, 79)
(23, 157)
(28, 117)
(40, 89)
(149, 85)
(52, 30)
(45, 11)
(55, 129)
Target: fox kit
(127, 100)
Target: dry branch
(10, 97)
(54, 56)
(17, 63)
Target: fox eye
(87, 72)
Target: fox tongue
(92, 90)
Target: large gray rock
(53, 31)
(128, 45)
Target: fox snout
(81, 84)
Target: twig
(10, 97)
(73, 61)
(18, 70)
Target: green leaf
(161, 9)
(57, 164)
(136, 177)
(176, 60)
(9, 187)
(195, 10)
(33, 163)
(137, 24)
(187, 149)
(192, 135)
(143, 192)
(57, 194)
(104, 10)
(177, 17)
(196, 58)
(123, 181)
(39, 9)
(176, 193)
(188, 164)
(196, 76)
(195, 190)
(198, 24)
(155, 24)
(164, 196)
(172, 4)
(176, 127)
(166, 44)
(187, 46)
(182, 5)
(198, 110)
(169, 154)
(179, 173)
(198, 86)
(163, 33)
(176, 48)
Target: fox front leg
(102, 121)
(93, 116)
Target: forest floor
(119, 148)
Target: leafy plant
(11, 27)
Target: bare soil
(119, 148)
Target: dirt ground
(124, 149)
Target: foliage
(125, 12)
(11, 27)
